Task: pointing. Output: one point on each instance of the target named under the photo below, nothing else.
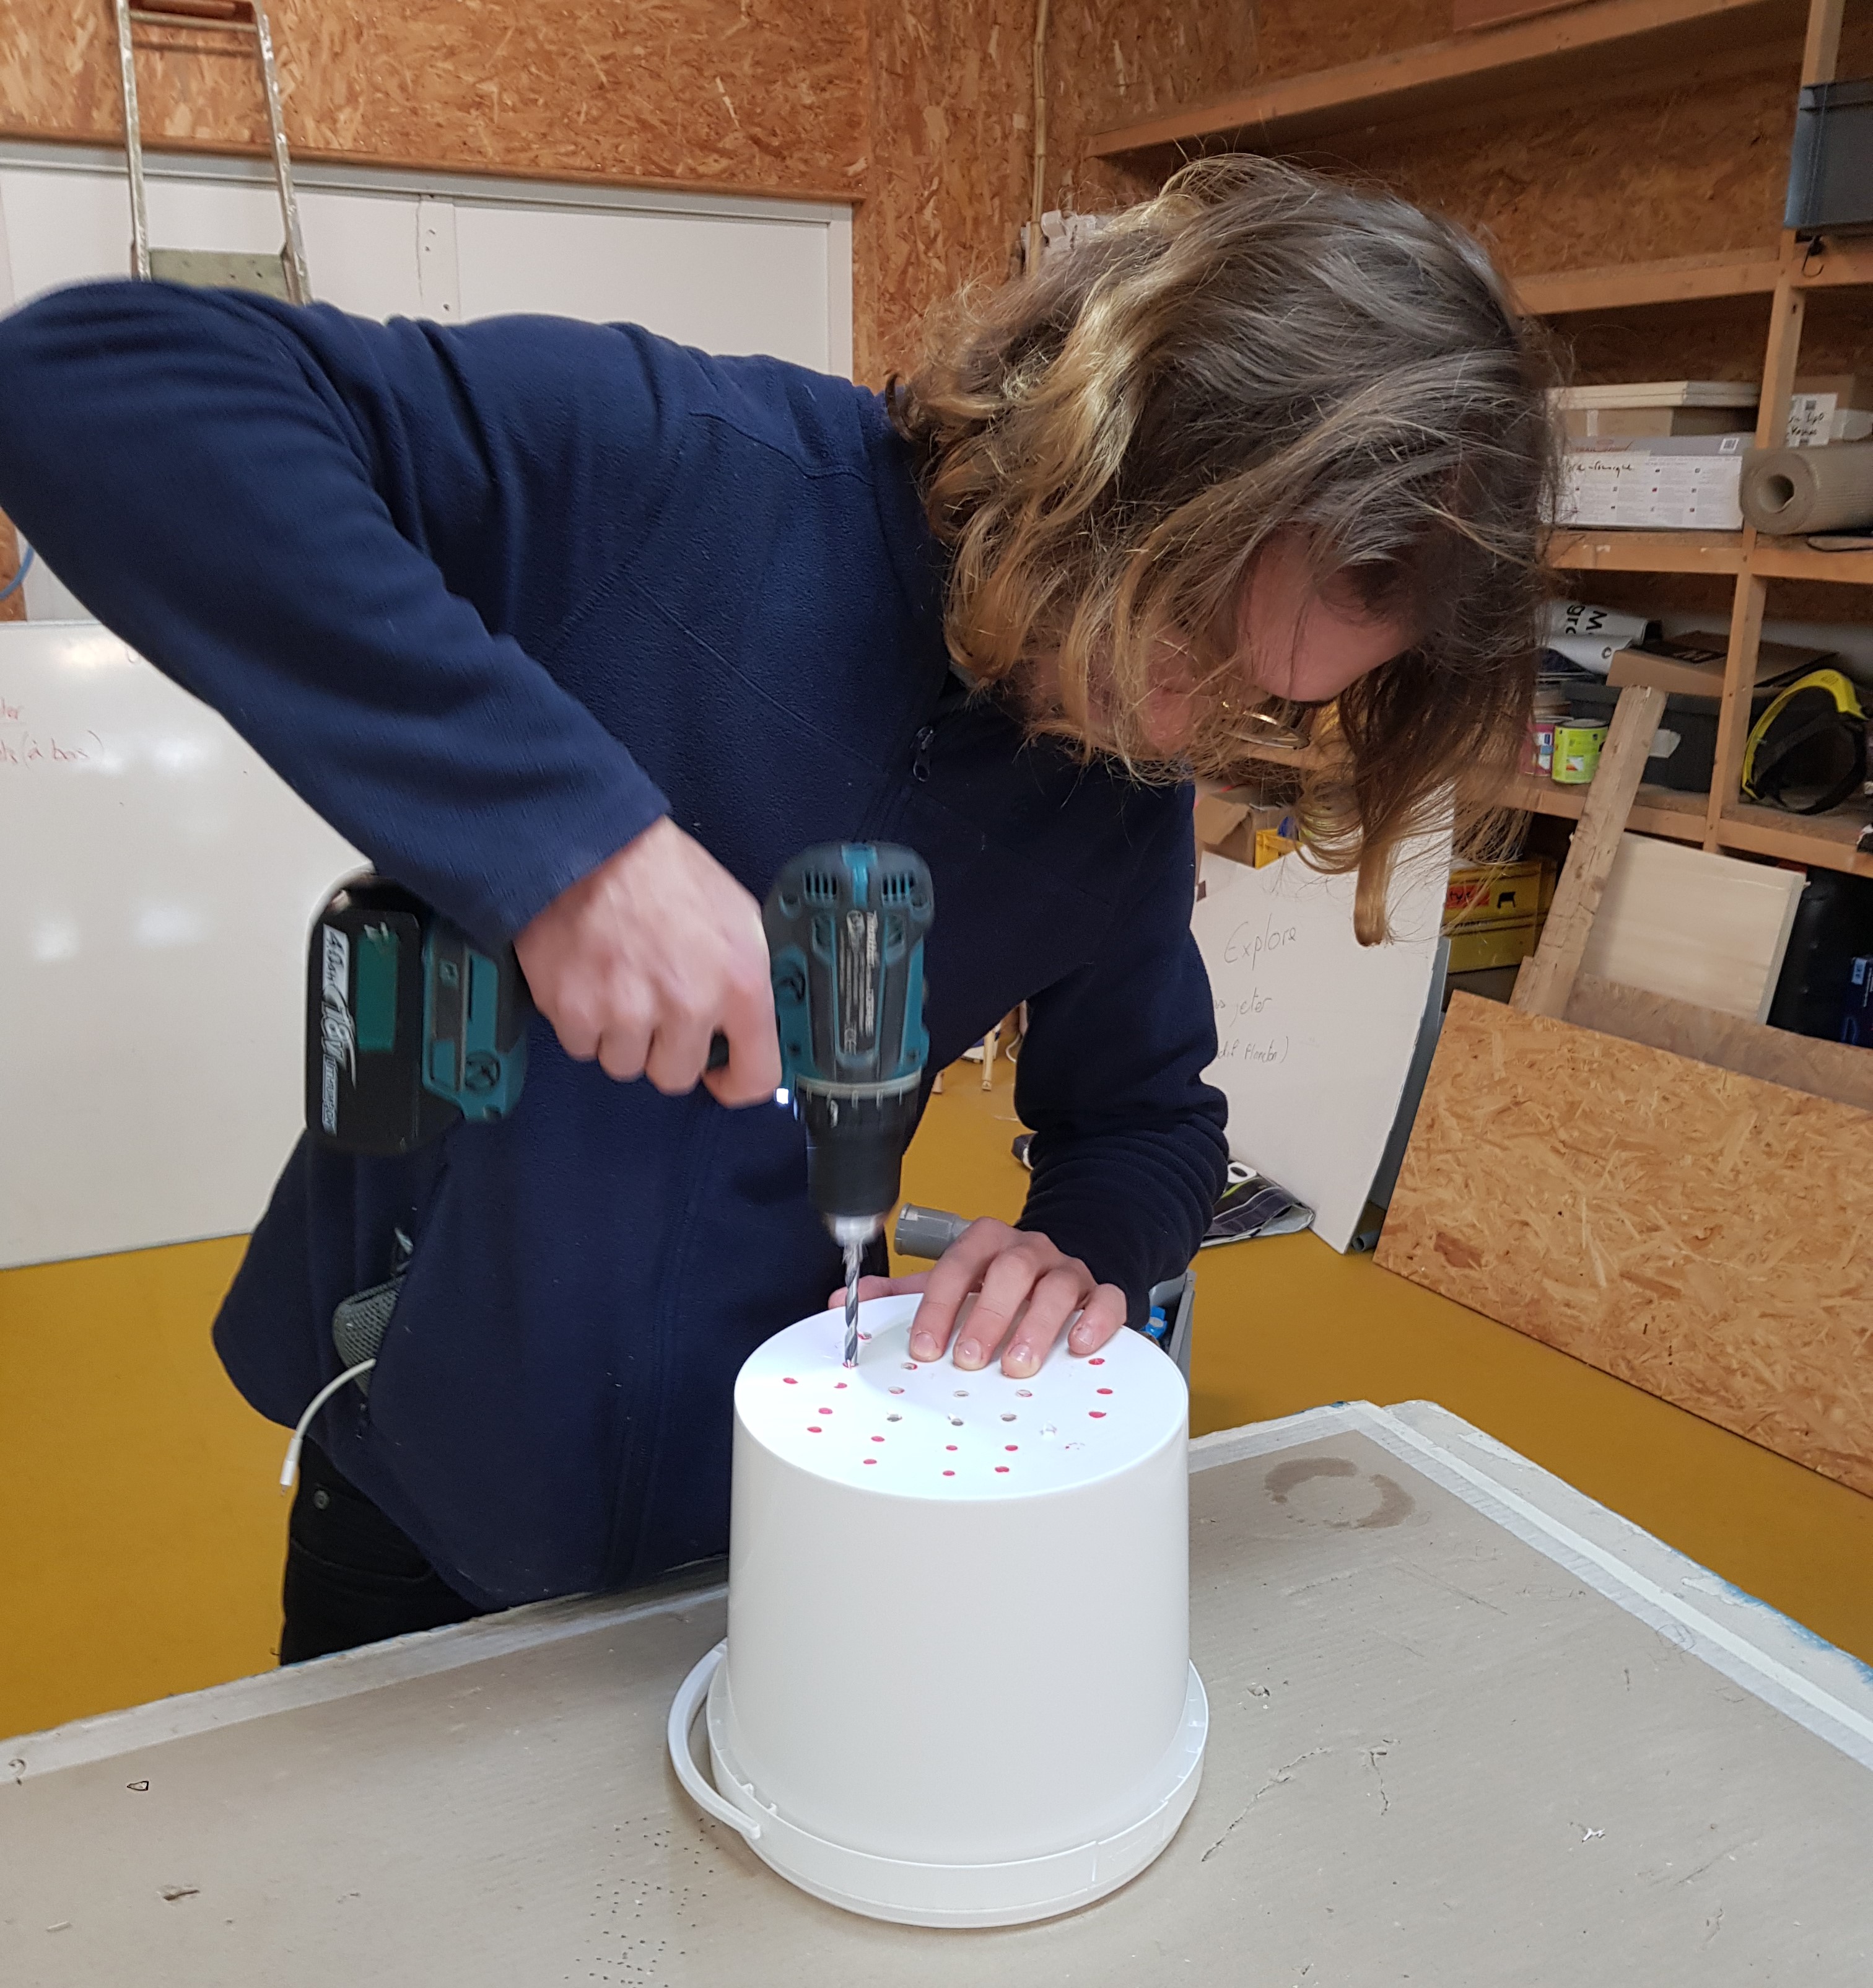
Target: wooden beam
(1584, 45)
(1841, 1071)
(1820, 53)
(1680, 280)
(1578, 549)
(1547, 979)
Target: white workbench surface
(1467, 1728)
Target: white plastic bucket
(957, 1688)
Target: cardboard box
(1497, 893)
(1597, 423)
(1692, 664)
(1493, 945)
(1830, 406)
(1656, 483)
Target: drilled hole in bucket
(955, 1422)
(1008, 1417)
(894, 1418)
(1026, 1394)
(894, 1391)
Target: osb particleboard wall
(951, 173)
(922, 112)
(1703, 1236)
(734, 93)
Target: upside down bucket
(956, 1688)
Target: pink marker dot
(1001, 1470)
(788, 1380)
(871, 1459)
(1100, 1361)
(813, 1428)
(877, 1438)
(949, 1473)
(1098, 1415)
(864, 1335)
(1104, 1391)
(949, 1446)
(826, 1411)
(840, 1384)
(1011, 1446)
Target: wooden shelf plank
(1611, 551)
(1823, 841)
(1583, 45)
(1657, 810)
(1793, 559)
(1621, 286)
(1833, 265)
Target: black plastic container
(1830, 165)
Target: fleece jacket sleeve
(1128, 1154)
(318, 524)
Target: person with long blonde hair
(581, 633)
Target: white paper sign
(1315, 1031)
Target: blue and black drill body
(413, 1027)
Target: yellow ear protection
(1807, 752)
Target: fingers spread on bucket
(1027, 1290)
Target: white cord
(290, 1468)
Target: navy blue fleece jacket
(492, 599)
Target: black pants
(352, 1576)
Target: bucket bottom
(947, 1894)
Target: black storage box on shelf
(1692, 721)
(1834, 926)
(1831, 165)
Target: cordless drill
(413, 1027)
(846, 923)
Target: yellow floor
(140, 1530)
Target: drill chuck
(855, 1145)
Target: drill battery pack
(411, 1026)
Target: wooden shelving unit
(1493, 71)
(1604, 551)
(1580, 46)
(1823, 841)
(1739, 272)
(1657, 811)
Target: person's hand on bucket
(1027, 1290)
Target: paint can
(956, 1689)
(1577, 749)
(1538, 754)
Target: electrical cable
(19, 579)
(290, 1468)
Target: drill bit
(854, 1252)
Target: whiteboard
(159, 885)
(730, 274)
(161, 880)
(1315, 1032)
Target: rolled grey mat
(1799, 490)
